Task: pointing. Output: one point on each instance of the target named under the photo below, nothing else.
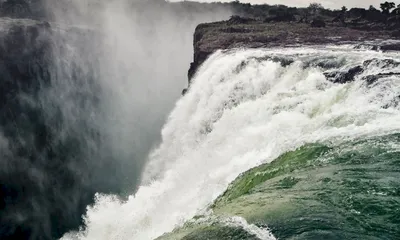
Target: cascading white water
(243, 110)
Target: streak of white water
(241, 112)
(250, 228)
(235, 222)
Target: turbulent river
(324, 152)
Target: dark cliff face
(54, 156)
(54, 146)
(32, 9)
(44, 184)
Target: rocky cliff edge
(238, 32)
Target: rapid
(244, 108)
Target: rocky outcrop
(210, 37)
(344, 77)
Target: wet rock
(349, 76)
(391, 47)
(284, 61)
(371, 79)
(344, 77)
(383, 63)
(192, 70)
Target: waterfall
(245, 108)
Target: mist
(140, 52)
(113, 72)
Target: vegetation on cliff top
(388, 13)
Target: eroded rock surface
(233, 33)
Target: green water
(319, 191)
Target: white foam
(260, 233)
(233, 119)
